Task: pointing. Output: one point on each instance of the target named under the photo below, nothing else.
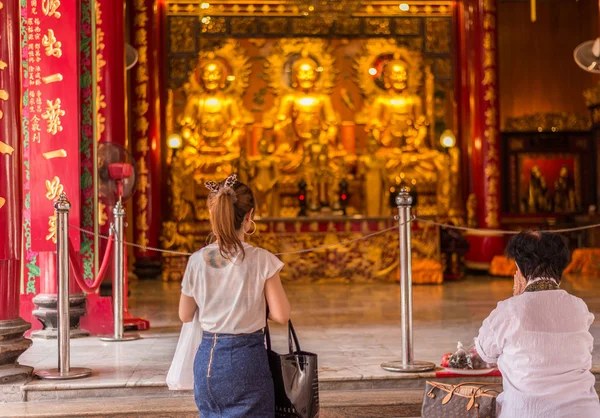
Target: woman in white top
(229, 284)
(540, 338)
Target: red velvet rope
(101, 272)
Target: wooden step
(334, 404)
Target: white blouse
(543, 348)
(230, 294)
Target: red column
(111, 119)
(12, 327)
(145, 101)
(485, 134)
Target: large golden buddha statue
(212, 123)
(399, 88)
(304, 115)
(396, 119)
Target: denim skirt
(232, 377)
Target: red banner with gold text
(51, 106)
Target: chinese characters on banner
(145, 127)
(51, 101)
(491, 116)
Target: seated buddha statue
(304, 116)
(396, 119)
(212, 124)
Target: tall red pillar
(12, 327)
(111, 116)
(481, 41)
(145, 101)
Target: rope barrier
(347, 242)
(307, 250)
(501, 231)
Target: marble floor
(353, 328)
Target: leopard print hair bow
(224, 187)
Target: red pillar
(145, 101)
(12, 327)
(111, 119)
(485, 133)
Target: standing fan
(116, 173)
(116, 182)
(587, 55)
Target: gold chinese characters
(50, 8)
(53, 188)
(53, 46)
(53, 114)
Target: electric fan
(587, 55)
(116, 173)
(116, 182)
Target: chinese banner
(51, 106)
(146, 128)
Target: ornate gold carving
(182, 36)
(377, 27)
(350, 26)
(213, 25)
(243, 26)
(270, 8)
(2, 202)
(275, 26)
(171, 239)
(408, 26)
(309, 27)
(438, 35)
(548, 122)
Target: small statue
(564, 193)
(302, 112)
(397, 119)
(537, 192)
(373, 174)
(265, 178)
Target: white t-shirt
(230, 294)
(543, 347)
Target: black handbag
(295, 377)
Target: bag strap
(267, 332)
(292, 335)
(480, 385)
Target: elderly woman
(540, 338)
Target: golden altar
(326, 126)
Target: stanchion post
(407, 364)
(119, 278)
(64, 370)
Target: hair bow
(224, 187)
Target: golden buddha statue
(373, 175)
(304, 115)
(396, 119)
(212, 124)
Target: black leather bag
(295, 377)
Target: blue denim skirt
(232, 377)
